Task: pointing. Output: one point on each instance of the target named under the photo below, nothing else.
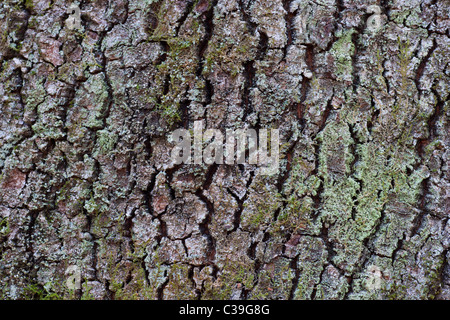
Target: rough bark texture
(86, 177)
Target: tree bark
(358, 210)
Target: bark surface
(359, 209)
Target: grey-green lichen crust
(359, 209)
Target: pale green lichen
(342, 51)
(106, 141)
